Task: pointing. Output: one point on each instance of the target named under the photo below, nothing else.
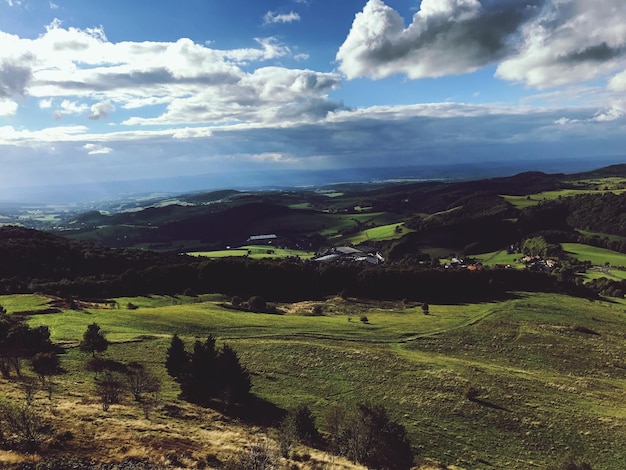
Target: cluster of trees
(113, 378)
(18, 341)
(208, 373)
(68, 268)
(539, 246)
(364, 434)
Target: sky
(117, 90)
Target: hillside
(491, 331)
(511, 384)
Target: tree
(140, 380)
(372, 439)
(208, 373)
(109, 388)
(18, 341)
(177, 359)
(425, 308)
(93, 340)
(23, 423)
(257, 304)
(199, 384)
(299, 424)
(233, 379)
(45, 365)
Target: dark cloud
(14, 77)
(447, 38)
(598, 53)
(540, 42)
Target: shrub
(298, 425)
(317, 311)
(257, 303)
(372, 439)
(258, 456)
(109, 388)
(22, 426)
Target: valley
(491, 330)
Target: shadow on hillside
(255, 411)
(488, 404)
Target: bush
(258, 456)
(317, 311)
(109, 388)
(21, 425)
(298, 425)
(257, 304)
(372, 439)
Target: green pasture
(197, 319)
(602, 235)
(384, 232)
(613, 274)
(20, 303)
(549, 371)
(255, 251)
(499, 257)
(597, 256)
(348, 221)
(521, 202)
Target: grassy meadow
(500, 257)
(381, 233)
(597, 256)
(520, 202)
(254, 252)
(512, 384)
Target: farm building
(349, 254)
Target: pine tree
(233, 379)
(177, 360)
(93, 340)
(199, 385)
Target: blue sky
(118, 90)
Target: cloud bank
(80, 72)
(541, 43)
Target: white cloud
(7, 107)
(192, 133)
(14, 3)
(54, 6)
(272, 17)
(542, 43)
(445, 37)
(101, 110)
(97, 149)
(618, 82)
(570, 41)
(272, 157)
(45, 103)
(73, 107)
(92, 76)
(615, 112)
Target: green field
(499, 257)
(521, 202)
(255, 252)
(384, 232)
(597, 256)
(545, 386)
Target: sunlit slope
(517, 384)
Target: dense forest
(40, 262)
